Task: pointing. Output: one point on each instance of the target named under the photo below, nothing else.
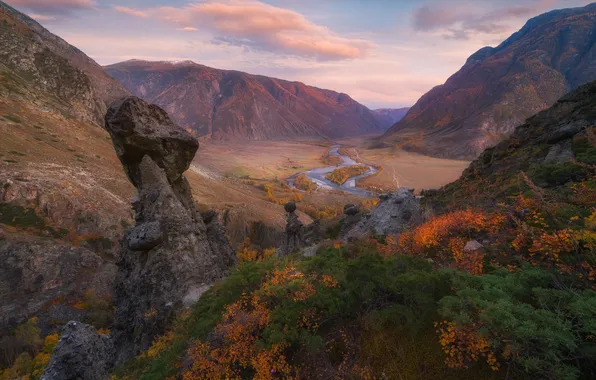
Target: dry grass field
(261, 159)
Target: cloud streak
(459, 23)
(130, 11)
(261, 26)
(43, 7)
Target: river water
(318, 175)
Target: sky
(383, 53)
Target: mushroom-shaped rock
(290, 207)
(139, 128)
(170, 253)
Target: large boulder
(81, 353)
(170, 257)
(394, 213)
(139, 129)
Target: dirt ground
(401, 168)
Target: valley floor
(399, 168)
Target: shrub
(303, 183)
(557, 174)
(341, 175)
(522, 319)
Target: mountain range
(498, 88)
(226, 104)
(390, 116)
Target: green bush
(549, 175)
(548, 327)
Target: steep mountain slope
(555, 150)
(48, 63)
(225, 104)
(498, 88)
(390, 116)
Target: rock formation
(294, 230)
(216, 236)
(352, 217)
(394, 213)
(167, 259)
(81, 353)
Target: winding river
(318, 175)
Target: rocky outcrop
(167, 259)
(49, 63)
(216, 236)
(394, 213)
(294, 230)
(35, 271)
(81, 353)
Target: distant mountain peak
(498, 88)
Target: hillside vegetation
(498, 283)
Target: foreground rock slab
(170, 256)
(394, 213)
(81, 353)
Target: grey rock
(171, 255)
(393, 214)
(223, 253)
(565, 131)
(351, 209)
(139, 129)
(313, 233)
(80, 354)
(560, 153)
(144, 237)
(209, 216)
(294, 230)
(35, 271)
(473, 245)
(290, 207)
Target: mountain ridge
(34, 54)
(498, 88)
(230, 104)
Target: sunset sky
(384, 53)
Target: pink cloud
(460, 23)
(188, 29)
(40, 17)
(262, 26)
(130, 11)
(54, 6)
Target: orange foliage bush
(235, 348)
(248, 253)
(444, 237)
(463, 346)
